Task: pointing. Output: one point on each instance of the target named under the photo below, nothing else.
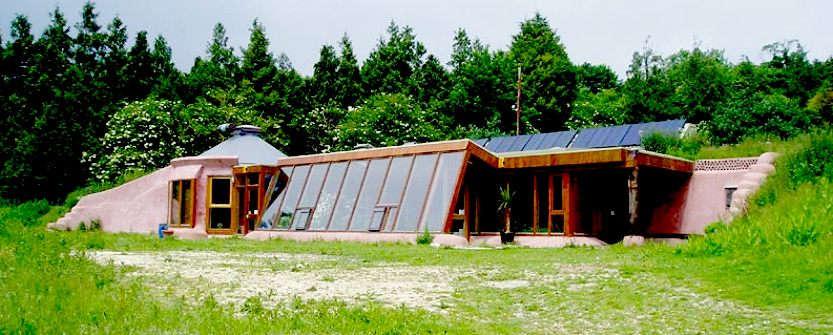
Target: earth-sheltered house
(586, 187)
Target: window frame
(209, 204)
(191, 206)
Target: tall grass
(787, 232)
(48, 286)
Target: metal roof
(599, 137)
(249, 148)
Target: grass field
(770, 272)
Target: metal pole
(518, 105)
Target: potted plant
(505, 206)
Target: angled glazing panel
(326, 201)
(376, 174)
(267, 220)
(400, 167)
(290, 200)
(442, 190)
(346, 201)
(313, 186)
(481, 142)
(414, 200)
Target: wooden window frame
(192, 205)
(209, 205)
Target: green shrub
(424, 238)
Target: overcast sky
(593, 31)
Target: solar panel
(518, 143)
(494, 143)
(601, 137)
(635, 134)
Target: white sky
(593, 31)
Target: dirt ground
(232, 278)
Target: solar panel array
(600, 137)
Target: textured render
(142, 204)
(138, 206)
(705, 197)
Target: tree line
(79, 105)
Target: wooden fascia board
(664, 162)
(482, 154)
(438, 147)
(565, 158)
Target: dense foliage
(78, 103)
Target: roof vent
(363, 146)
(242, 130)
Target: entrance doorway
(250, 185)
(552, 204)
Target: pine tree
(139, 72)
(549, 84)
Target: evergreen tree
(549, 83)
(139, 72)
(389, 67)
(482, 87)
(219, 71)
(430, 83)
(349, 83)
(167, 78)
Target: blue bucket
(162, 227)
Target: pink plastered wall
(703, 199)
(139, 206)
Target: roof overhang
(409, 149)
(617, 157)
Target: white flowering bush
(142, 135)
(386, 120)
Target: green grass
(770, 271)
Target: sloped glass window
(326, 201)
(400, 168)
(346, 201)
(290, 200)
(443, 186)
(267, 220)
(369, 194)
(415, 193)
(313, 186)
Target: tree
(219, 71)
(142, 135)
(549, 84)
(386, 120)
(700, 81)
(322, 87)
(168, 80)
(791, 74)
(596, 77)
(349, 82)
(482, 87)
(139, 73)
(430, 82)
(390, 66)
(758, 114)
(604, 108)
(647, 89)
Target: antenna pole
(518, 105)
